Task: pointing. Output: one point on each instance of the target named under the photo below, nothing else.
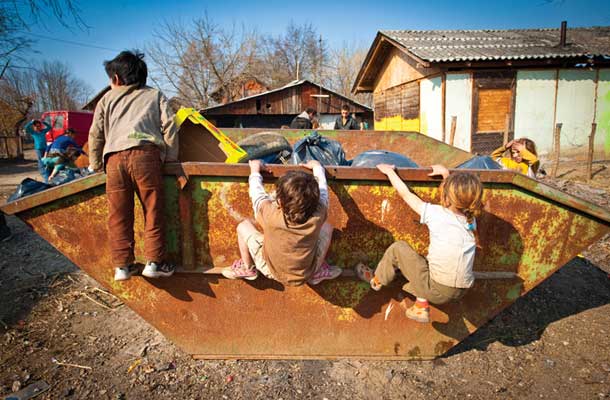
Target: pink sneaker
(239, 271)
(324, 272)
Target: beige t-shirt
(289, 250)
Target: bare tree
(58, 89)
(17, 15)
(346, 62)
(16, 100)
(197, 60)
(299, 53)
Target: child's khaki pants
(415, 269)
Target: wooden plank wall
(397, 108)
(292, 100)
(492, 90)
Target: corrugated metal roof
(513, 44)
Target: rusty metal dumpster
(527, 232)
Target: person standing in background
(38, 130)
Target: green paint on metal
(514, 292)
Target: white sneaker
(161, 270)
(124, 273)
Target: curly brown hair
(298, 195)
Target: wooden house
(518, 83)
(275, 108)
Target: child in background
(295, 238)
(38, 130)
(56, 162)
(523, 156)
(133, 133)
(446, 273)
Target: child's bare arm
(255, 181)
(320, 174)
(409, 197)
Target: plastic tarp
(372, 158)
(317, 147)
(480, 162)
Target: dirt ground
(552, 343)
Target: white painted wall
(602, 114)
(458, 102)
(535, 107)
(575, 107)
(430, 107)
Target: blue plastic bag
(372, 158)
(480, 162)
(27, 187)
(316, 147)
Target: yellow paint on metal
(234, 153)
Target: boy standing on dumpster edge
(132, 134)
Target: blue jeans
(41, 168)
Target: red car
(59, 121)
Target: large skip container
(528, 231)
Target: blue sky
(118, 25)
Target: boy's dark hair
(344, 107)
(312, 111)
(299, 195)
(129, 66)
(70, 132)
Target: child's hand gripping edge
(409, 197)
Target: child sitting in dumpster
(132, 134)
(523, 156)
(446, 273)
(295, 238)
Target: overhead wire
(72, 42)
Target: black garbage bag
(317, 147)
(270, 147)
(372, 158)
(480, 162)
(27, 187)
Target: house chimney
(562, 33)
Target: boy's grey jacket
(131, 116)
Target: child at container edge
(446, 273)
(523, 156)
(132, 134)
(56, 162)
(295, 238)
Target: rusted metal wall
(420, 148)
(212, 317)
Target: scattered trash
(29, 391)
(169, 366)
(387, 311)
(56, 362)
(372, 158)
(134, 365)
(16, 386)
(270, 147)
(229, 378)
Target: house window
(494, 104)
